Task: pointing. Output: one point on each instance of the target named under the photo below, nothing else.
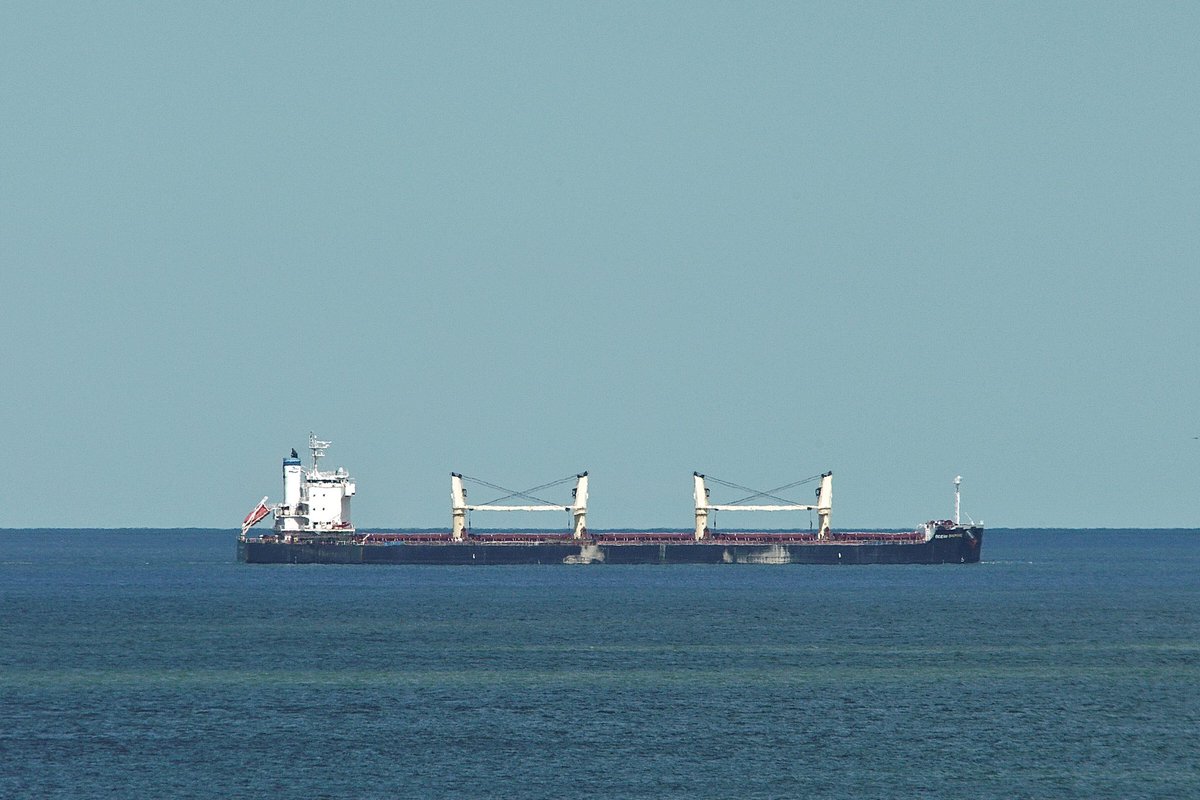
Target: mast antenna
(318, 449)
(957, 481)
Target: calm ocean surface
(143, 664)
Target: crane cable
(769, 493)
(526, 494)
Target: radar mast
(318, 449)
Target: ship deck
(631, 538)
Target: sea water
(150, 664)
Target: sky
(899, 241)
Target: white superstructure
(316, 503)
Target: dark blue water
(151, 664)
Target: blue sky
(901, 241)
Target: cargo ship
(313, 526)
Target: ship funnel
(292, 478)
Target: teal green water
(150, 664)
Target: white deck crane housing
(459, 507)
(824, 506)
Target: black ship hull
(960, 546)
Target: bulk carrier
(313, 526)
